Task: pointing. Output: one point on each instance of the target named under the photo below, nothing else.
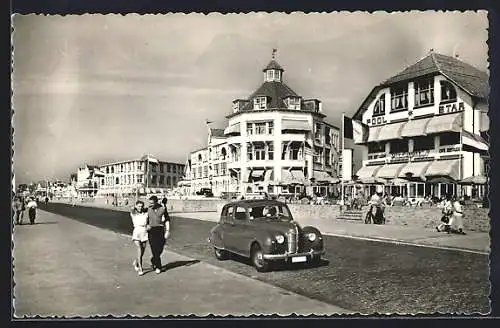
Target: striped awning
(301, 125)
(447, 168)
(268, 175)
(414, 169)
(445, 123)
(474, 142)
(414, 128)
(373, 133)
(322, 176)
(390, 171)
(391, 131)
(367, 171)
(233, 129)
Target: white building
(144, 175)
(275, 141)
(88, 180)
(425, 125)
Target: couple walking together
(150, 224)
(452, 219)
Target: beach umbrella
(473, 180)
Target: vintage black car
(264, 231)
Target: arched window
(223, 153)
(199, 157)
(117, 180)
(249, 189)
(448, 91)
(107, 169)
(102, 181)
(112, 169)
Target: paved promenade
(67, 268)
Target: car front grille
(293, 243)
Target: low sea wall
(475, 219)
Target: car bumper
(287, 256)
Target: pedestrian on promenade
(18, 207)
(156, 232)
(46, 200)
(456, 221)
(139, 217)
(32, 206)
(447, 212)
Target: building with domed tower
(275, 141)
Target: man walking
(156, 233)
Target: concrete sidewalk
(67, 268)
(473, 241)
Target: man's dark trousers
(156, 237)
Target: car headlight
(280, 239)
(311, 236)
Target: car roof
(255, 202)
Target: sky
(99, 88)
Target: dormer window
(272, 75)
(293, 103)
(259, 103)
(399, 98)
(448, 92)
(379, 107)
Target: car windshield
(270, 212)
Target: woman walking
(140, 234)
(456, 221)
(447, 212)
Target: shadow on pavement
(177, 264)
(278, 266)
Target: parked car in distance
(207, 192)
(265, 232)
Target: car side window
(227, 214)
(241, 214)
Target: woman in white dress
(140, 234)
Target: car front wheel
(258, 261)
(221, 254)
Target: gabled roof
(273, 64)
(470, 79)
(276, 91)
(217, 133)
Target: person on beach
(32, 206)
(18, 207)
(139, 217)
(447, 211)
(156, 233)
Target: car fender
(308, 229)
(216, 237)
(264, 239)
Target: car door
(236, 236)
(224, 223)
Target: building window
(423, 143)
(139, 179)
(328, 137)
(277, 75)
(199, 158)
(379, 107)
(424, 92)
(293, 103)
(139, 166)
(249, 129)
(174, 181)
(112, 169)
(169, 181)
(399, 146)
(448, 92)
(260, 128)
(205, 171)
(162, 179)
(260, 153)
(317, 132)
(174, 169)
(153, 179)
(449, 138)
(107, 170)
(399, 98)
(161, 168)
(223, 153)
(270, 126)
(249, 152)
(376, 147)
(327, 157)
(200, 173)
(193, 174)
(259, 103)
(270, 75)
(216, 169)
(117, 181)
(270, 151)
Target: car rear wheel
(221, 254)
(258, 261)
